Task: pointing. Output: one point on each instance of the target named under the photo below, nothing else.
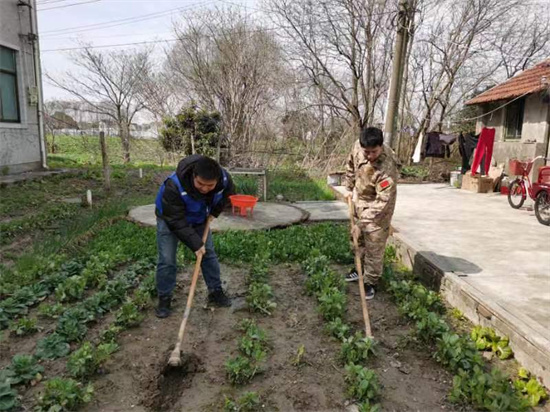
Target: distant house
(519, 110)
(22, 145)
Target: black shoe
(369, 292)
(219, 298)
(352, 276)
(164, 307)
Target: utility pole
(399, 55)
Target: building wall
(19, 142)
(535, 119)
(534, 133)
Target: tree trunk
(125, 140)
(105, 161)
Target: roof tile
(528, 81)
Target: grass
(84, 151)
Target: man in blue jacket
(199, 188)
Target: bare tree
(518, 44)
(449, 58)
(344, 47)
(227, 63)
(108, 82)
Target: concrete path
(267, 215)
(325, 211)
(492, 262)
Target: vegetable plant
(241, 369)
(248, 402)
(87, 360)
(64, 395)
(52, 347)
(362, 383)
(24, 369)
(53, 310)
(23, 326)
(356, 349)
(72, 289)
(338, 329)
(332, 303)
(128, 315)
(259, 298)
(8, 397)
(530, 388)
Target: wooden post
(105, 160)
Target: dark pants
(167, 244)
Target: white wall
(535, 119)
(19, 142)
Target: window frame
(16, 79)
(519, 125)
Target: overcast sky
(63, 23)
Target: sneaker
(164, 308)
(369, 292)
(352, 276)
(219, 298)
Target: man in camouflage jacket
(371, 178)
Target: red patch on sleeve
(384, 184)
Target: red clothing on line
(484, 148)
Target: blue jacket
(184, 208)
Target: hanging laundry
(434, 147)
(466, 146)
(417, 155)
(438, 144)
(484, 150)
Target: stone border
(530, 346)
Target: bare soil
(137, 378)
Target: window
(9, 104)
(514, 119)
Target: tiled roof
(528, 81)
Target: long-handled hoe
(175, 356)
(359, 268)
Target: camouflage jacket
(373, 186)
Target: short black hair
(371, 137)
(207, 169)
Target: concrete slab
(325, 211)
(267, 215)
(491, 261)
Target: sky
(63, 24)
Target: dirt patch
(138, 379)
(411, 378)
(164, 390)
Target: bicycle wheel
(515, 194)
(542, 208)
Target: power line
(69, 5)
(109, 45)
(119, 22)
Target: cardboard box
(477, 183)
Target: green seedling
(52, 311)
(24, 369)
(52, 347)
(362, 383)
(64, 395)
(24, 326)
(357, 349)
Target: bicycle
(522, 186)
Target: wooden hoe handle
(359, 268)
(192, 289)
